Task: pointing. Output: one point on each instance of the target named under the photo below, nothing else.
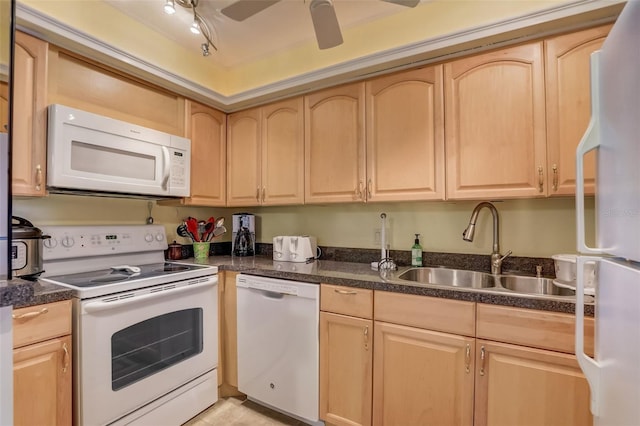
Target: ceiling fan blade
(243, 9)
(408, 3)
(325, 24)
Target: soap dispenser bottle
(416, 252)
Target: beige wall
(538, 227)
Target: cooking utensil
(219, 231)
(219, 222)
(192, 227)
(208, 229)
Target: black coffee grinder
(244, 234)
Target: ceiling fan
(323, 15)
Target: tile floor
(240, 412)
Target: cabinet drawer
(41, 322)
(527, 327)
(357, 302)
(449, 316)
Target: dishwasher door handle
(269, 294)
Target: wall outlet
(376, 236)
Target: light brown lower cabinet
(42, 365)
(445, 362)
(228, 331)
(346, 360)
(421, 377)
(346, 355)
(517, 385)
(42, 383)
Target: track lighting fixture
(169, 7)
(199, 25)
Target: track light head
(169, 7)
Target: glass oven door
(136, 346)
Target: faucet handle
(506, 255)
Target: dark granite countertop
(22, 293)
(361, 275)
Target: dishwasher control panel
(265, 284)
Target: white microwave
(90, 153)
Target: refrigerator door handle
(590, 367)
(590, 141)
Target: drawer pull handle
(482, 356)
(65, 360)
(38, 177)
(359, 191)
(467, 359)
(366, 338)
(29, 315)
(346, 292)
(540, 179)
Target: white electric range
(145, 331)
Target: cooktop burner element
(171, 267)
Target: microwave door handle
(166, 164)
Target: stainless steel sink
(532, 285)
(449, 277)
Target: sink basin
(533, 285)
(449, 277)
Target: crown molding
(566, 17)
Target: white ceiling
(281, 26)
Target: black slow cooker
(26, 249)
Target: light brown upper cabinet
(334, 145)
(81, 83)
(266, 155)
(568, 90)
(495, 124)
(206, 127)
(405, 137)
(29, 131)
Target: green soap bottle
(416, 252)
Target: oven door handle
(101, 305)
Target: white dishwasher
(278, 344)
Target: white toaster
(297, 248)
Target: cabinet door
(568, 86)
(4, 107)
(243, 158)
(405, 137)
(283, 153)
(516, 385)
(229, 330)
(495, 127)
(421, 377)
(42, 383)
(346, 356)
(334, 145)
(29, 149)
(206, 127)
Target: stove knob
(148, 238)
(159, 236)
(50, 243)
(67, 242)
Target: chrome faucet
(467, 235)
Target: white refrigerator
(614, 132)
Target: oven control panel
(86, 241)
